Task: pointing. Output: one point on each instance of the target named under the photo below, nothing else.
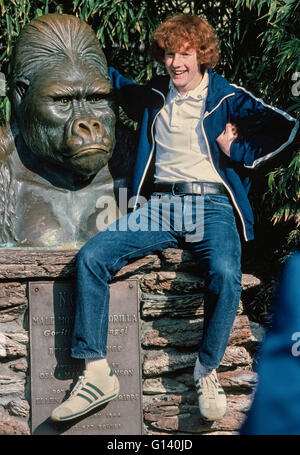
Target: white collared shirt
(181, 151)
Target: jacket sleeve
(263, 130)
(129, 95)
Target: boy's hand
(226, 137)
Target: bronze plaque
(54, 372)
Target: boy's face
(183, 68)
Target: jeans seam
(104, 313)
(139, 249)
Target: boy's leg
(97, 261)
(219, 252)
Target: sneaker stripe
(86, 398)
(95, 388)
(89, 408)
(90, 392)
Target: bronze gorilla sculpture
(54, 153)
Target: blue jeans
(205, 225)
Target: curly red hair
(182, 29)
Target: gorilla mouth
(89, 150)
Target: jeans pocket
(220, 200)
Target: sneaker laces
(211, 383)
(78, 385)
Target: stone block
(11, 386)
(188, 332)
(176, 414)
(24, 264)
(180, 306)
(170, 360)
(19, 408)
(172, 332)
(172, 282)
(13, 345)
(11, 426)
(12, 294)
(155, 386)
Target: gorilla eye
(95, 98)
(63, 100)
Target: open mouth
(178, 73)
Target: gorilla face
(66, 116)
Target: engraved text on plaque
(53, 371)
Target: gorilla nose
(85, 132)
(87, 128)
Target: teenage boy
(189, 151)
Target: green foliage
(279, 70)
(259, 47)
(14, 14)
(284, 184)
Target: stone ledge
(24, 264)
(16, 264)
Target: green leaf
(7, 109)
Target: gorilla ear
(21, 87)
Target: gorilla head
(61, 94)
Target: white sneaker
(211, 396)
(92, 390)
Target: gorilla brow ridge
(51, 39)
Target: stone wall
(171, 324)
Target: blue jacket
(270, 131)
(276, 406)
